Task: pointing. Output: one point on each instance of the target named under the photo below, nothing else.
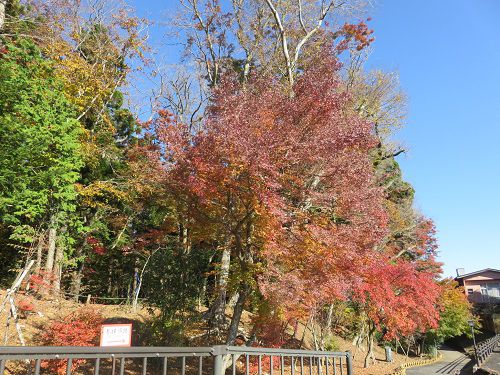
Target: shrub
(41, 283)
(269, 325)
(25, 305)
(332, 344)
(79, 328)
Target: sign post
(116, 335)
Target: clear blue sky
(447, 53)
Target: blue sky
(447, 53)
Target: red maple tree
(287, 180)
(287, 183)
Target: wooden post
(16, 320)
(9, 298)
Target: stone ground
(453, 362)
(493, 363)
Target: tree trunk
(315, 336)
(58, 266)
(134, 278)
(49, 262)
(325, 328)
(216, 315)
(75, 286)
(306, 327)
(329, 319)
(186, 246)
(3, 4)
(110, 280)
(141, 277)
(359, 338)
(203, 293)
(295, 329)
(370, 354)
(76, 281)
(233, 300)
(235, 320)
(39, 251)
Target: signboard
(116, 335)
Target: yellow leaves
(379, 98)
(90, 151)
(399, 218)
(86, 84)
(236, 171)
(100, 194)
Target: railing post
(349, 363)
(219, 351)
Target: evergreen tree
(39, 151)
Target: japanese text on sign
(116, 334)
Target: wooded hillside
(262, 177)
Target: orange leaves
(360, 33)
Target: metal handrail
(55, 352)
(279, 351)
(323, 362)
(485, 348)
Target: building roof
(477, 272)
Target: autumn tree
(244, 36)
(92, 46)
(455, 313)
(398, 299)
(270, 174)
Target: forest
(259, 173)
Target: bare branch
(393, 155)
(322, 16)
(284, 42)
(301, 18)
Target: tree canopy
(263, 177)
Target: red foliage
(92, 241)
(288, 181)
(41, 282)
(399, 298)
(25, 305)
(401, 295)
(96, 246)
(265, 363)
(81, 328)
(269, 326)
(295, 169)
